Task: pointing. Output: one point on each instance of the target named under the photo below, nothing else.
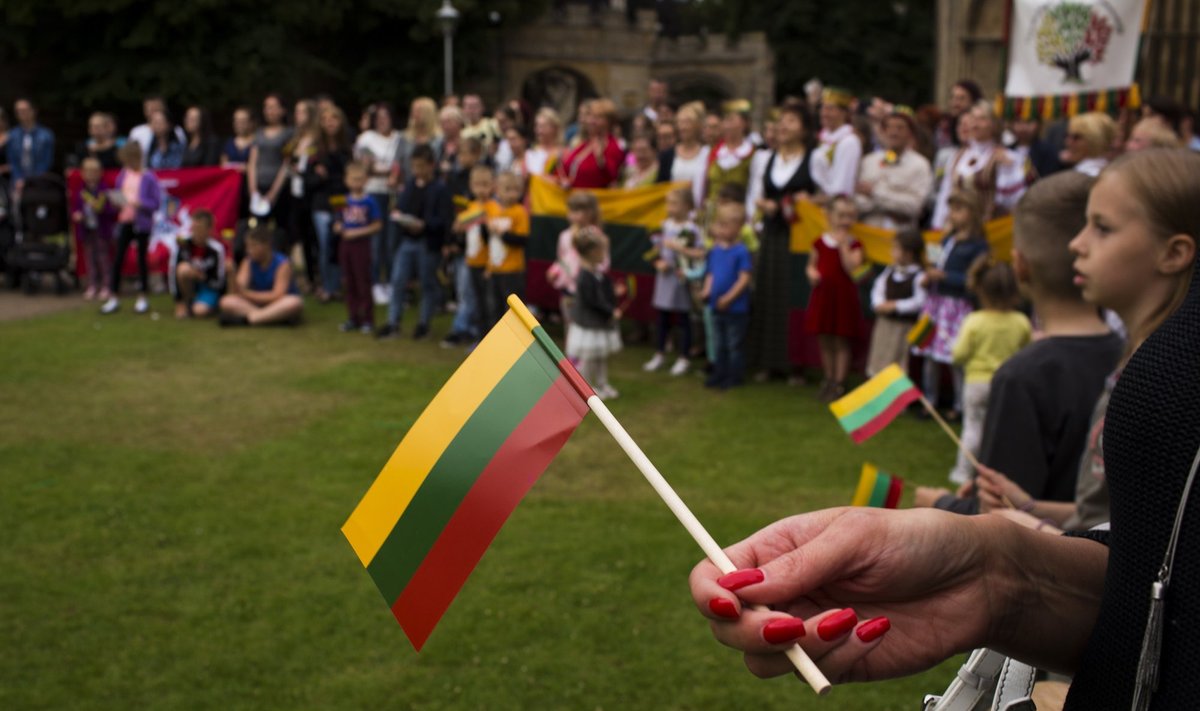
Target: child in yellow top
(508, 233)
(470, 236)
(988, 337)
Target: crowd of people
(1033, 349)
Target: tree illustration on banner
(1072, 33)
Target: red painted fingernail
(723, 608)
(872, 630)
(783, 630)
(837, 624)
(739, 579)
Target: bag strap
(975, 684)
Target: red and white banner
(184, 191)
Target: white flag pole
(800, 660)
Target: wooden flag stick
(950, 431)
(799, 659)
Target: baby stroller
(43, 239)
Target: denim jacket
(43, 151)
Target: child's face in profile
(356, 181)
(200, 231)
(509, 192)
(842, 216)
(91, 172)
(482, 186)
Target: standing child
(988, 337)
(679, 238)
(583, 212)
(93, 212)
(834, 315)
(360, 219)
(897, 298)
(468, 235)
(138, 194)
(948, 303)
(197, 273)
(727, 291)
(593, 336)
(508, 232)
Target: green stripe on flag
(874, 408)
(456, 471)
(883, 482)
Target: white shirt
(834, 165)
(381, 151)
(1010, 178)
(1091, 167)
(904, 307)
(535, 160)
(898, 189)
(145, 136)
(782, 172)
(693, 169)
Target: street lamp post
(448, 16)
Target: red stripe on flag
(862, 434)
(500, 487)
(575, 379)
(895, 488)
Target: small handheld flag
(462, 468)
(873, 405)
(877, 489)
(921, 334)
(469, 459)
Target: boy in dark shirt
(1042, 398)
(197, 273)
(423, 213)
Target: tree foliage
(867, 46)
(74, 56)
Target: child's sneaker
(608, 392)
(140, 306)
(89, 293)
(366, 329)
(387, 330)
(110, 306)
(421, 331)
(654, 363)
(348, 327)
(453, 340)
(680, 367)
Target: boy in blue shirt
(727, 292)
(359, 219)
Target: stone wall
(619, 60)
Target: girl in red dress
(834, 315)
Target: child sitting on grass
(197, 273)
(359, 220)
(264, 291)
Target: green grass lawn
(173, 494)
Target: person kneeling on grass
(197, 271)
(263, 291)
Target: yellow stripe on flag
(375, 516)
(867, 392)
(866, 485)
(877, 241)
(638, 207)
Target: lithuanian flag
(872, 405)
(462, 468)
(470, 218)
(878, 489)
(921, 334)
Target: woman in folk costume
(774, 189)
(835, 162)
(730, 161)
(983, 166)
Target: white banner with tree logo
(1085, 49)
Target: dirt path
(16, 305)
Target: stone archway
(560, 88)
(706, 87)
